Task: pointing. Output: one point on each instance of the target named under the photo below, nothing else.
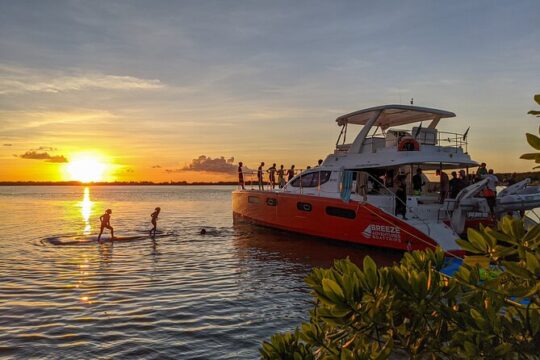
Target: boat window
(271, 201)
(341, 212)
(254, 200)
(302, 206)
(312, 179)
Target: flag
(466, 133)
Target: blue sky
(161, 82)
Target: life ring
(408, 144)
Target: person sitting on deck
(260, 176)
(241, 176)
(272, 175)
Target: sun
(86, 169)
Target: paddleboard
(81, 240)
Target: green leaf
(502, 349)
(533, 140)
(532, 263)
(530, 156)
(516, 270)
(332, 289)
(370, 270)
(467, 246)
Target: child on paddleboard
(154, 217)
(106, 223)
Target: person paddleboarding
(106, 223)
(154, 217)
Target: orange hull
(328, 218)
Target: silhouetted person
(154, 217)
(464, 178)
(418, 182)
(444, 185)
(490, 192)
(512, 180)
(481, 172)
(290, 173)
(319, 163)
(260, 176)
(241, 176)
(272, 175)
(281, 176)
(401, 197)
(106, 223)
(456, 185)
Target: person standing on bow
(281, 176)
(241, 176)
(260, 176)
(272, 175)
(290, 173)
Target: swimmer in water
(154, 216)
(106, 223)
(203, 231)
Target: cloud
(45, 148)
(207, 164)
(156, 167)
(8, 145)
(24, 80)
(34, 155)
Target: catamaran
(351, 196)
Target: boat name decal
(382, 232)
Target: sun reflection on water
(86, 210)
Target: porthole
(340, 212)
(302, 206)
(271, 202)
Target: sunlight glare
(87, 169)
(86, 210)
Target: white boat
(350, 197)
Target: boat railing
(423, 136)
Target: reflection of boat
(269, 245)
(351, 196)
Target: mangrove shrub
(414, 310)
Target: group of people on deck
(449, 188)
(276, 176)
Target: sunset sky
(136, 90)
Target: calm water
(182, 296)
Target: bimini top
(393, 115)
